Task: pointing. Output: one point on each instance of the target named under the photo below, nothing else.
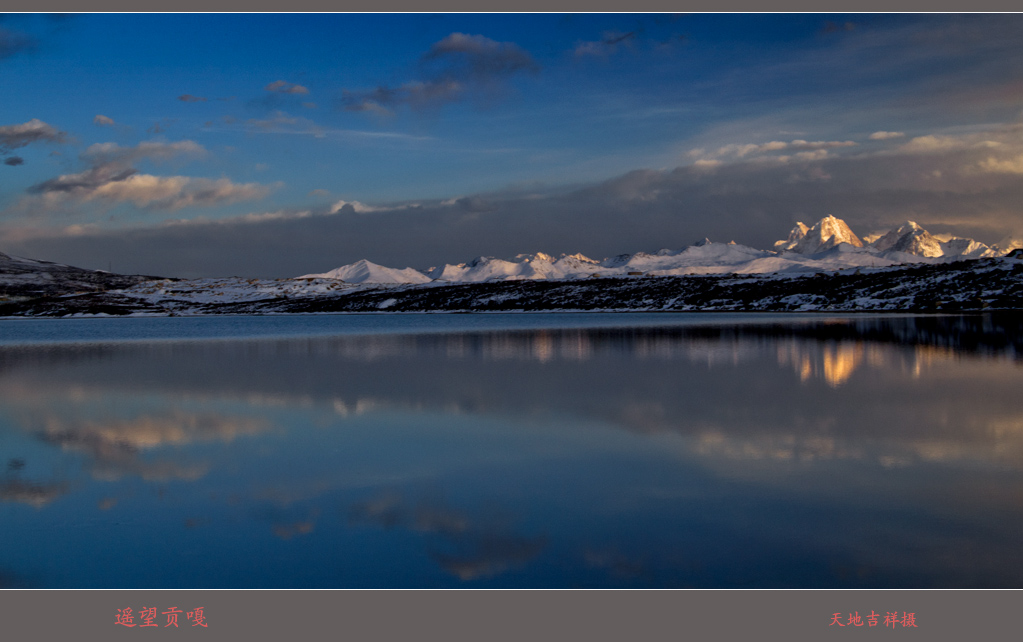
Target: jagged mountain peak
(890, 239)
(918, 242)
(578, 258)
(911, 238)
(823, 235)
(479, 260)
(797, 233)
(529, 258)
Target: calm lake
(530, 450)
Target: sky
(276, 145)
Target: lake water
(540, 450)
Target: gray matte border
(497, 616)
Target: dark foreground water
(730, 451)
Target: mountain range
(823, 267)
(827, 245)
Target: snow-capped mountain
(523, 266)
(913, 239)
(824, 235)
(906, 239)
(827, 245)
(889, 240)
(367, 272)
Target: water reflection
(459, 545)
(850, 452)
(31, 493)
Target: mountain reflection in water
(831, 452)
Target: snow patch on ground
(232, 290)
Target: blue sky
(206, 145)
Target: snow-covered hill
(26, 279)
(828, 245)
(366, 272)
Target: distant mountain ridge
(988, 284)
(827, 245)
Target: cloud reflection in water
(632, 456)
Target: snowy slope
(231, 290)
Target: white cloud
(821, 144)
(113, 178)
(100, 119)
(479, 56)
(100, 153)
(707, 163)
(282, 87)
(34, 131)
(252, 217)
(454, 66)
(115, 184)
(280, 215)
(356, 206)
(994, 151)
(608, 44)
(1002, 166)
(81, 229)
(176, 192)
(741, 151)
(281, 122)
(885, 135)
(814, 155)
(362, 208)
(141, 189)
(933, 143)
(737, 150)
